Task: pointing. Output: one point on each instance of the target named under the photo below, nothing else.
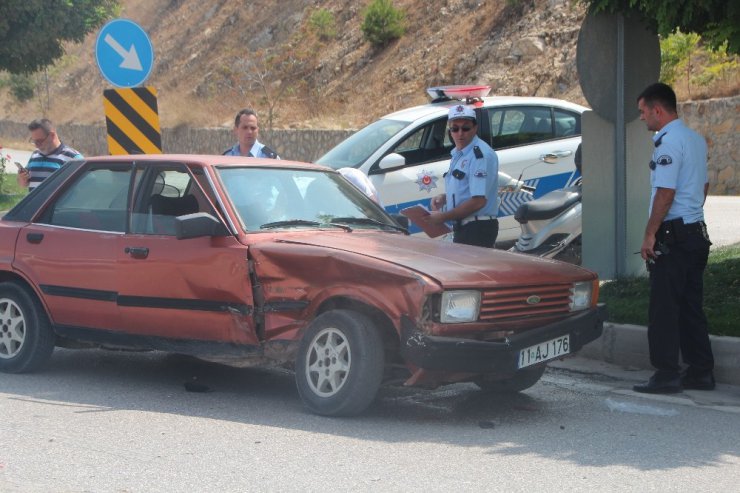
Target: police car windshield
(274, 197)
(355, 150)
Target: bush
(323, 24)
(383, 23)
(22, 87)
(627, 299)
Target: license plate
(544, 351)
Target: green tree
(22, 87)
(383, 22)
(32, 31)
(716, 21)
(676, 51)
(323, 24)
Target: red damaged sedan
(252, 262)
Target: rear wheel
(340, 364)
(26, 337)
(522, 380)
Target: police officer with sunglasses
(676, 248)
(471, 184)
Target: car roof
(210, 160)
(432, 109)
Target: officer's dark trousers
(676, 316)
(478, 233)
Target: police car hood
(452, 265)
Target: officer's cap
(461, 112)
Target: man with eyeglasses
(676, 248)
(246, 130)
(50, 154)
(470, 200)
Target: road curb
(627, 345)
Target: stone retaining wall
(299, 145)
(716, 119)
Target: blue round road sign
(124, 53)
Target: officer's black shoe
(659, 386)
(693, 382)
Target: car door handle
(556, 154)
(35, 237)
(137, 252)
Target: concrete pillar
(601, 209)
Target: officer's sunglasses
(454, 130)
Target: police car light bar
(461, 92)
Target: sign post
(125, 57)
(124, 53)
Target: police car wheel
(340, 364)
(26, 337)
(521, 380)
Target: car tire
(26, 337)
(521, 380)
(339, 366)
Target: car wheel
(340, 364)
(522, 380)
(26, 337)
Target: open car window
(426, 144)
(164, 192)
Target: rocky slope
(212, 58)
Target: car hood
(452, 265)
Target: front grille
(511, 303)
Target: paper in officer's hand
(418, 214)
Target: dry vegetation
(213, 58)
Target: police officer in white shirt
(470, 200)
(246, 130)
(676, 248)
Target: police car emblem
(426, 180)
(664, 160)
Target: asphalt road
(115, 421)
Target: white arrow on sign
(130, 57)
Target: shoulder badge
(478, 153)
(664, 160)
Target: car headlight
(580, 295)
(459, 306)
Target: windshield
(273, 198)
(355, 149)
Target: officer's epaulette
(269, 153)
(478, 153)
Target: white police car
(406, 153)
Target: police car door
(421, 158)
(520, 135)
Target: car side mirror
(392, 160)
(197, 225)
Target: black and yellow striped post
(132, 121)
